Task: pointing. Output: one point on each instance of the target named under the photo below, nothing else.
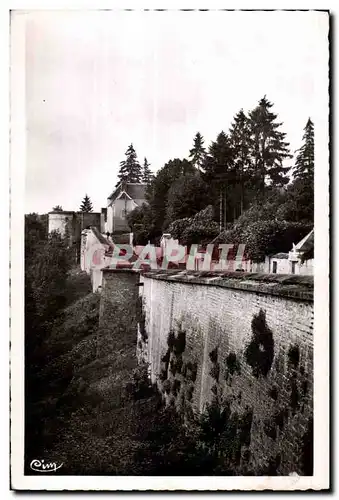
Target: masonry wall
(246, 342)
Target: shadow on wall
(257, 373)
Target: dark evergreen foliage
(86, 204)
(147, 174)
(130, 169)
(268, 148)
(198, 152)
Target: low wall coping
(293, 286)
(109, 270)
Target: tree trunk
(242, 189)
(225, 206)
(220, 209)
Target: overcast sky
(97, 81)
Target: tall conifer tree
(268, 147)
(218, 169)
(198, 152)
(147, 174)
(130, 169)
(240, 140)
(86, 205)
(304, 165)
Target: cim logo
(42, 466)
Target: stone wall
(245, 341)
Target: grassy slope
(84, 412)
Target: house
(126, 197)
(299, 260)
(302, 255)
(278, 263)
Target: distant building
(301, 256)
(70, 224)
(125, 198)
(298, 261)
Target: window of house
(275, 263)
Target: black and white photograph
(169, 249)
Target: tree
(147, 175)
(198, 152)
(130, 169)
(157, 191)
(240, 141)
(187, 195)
(86, 205)
(299, 205)
(304, 165)
(268, 148)
(218, 170)
(200, 229)
(141, 224)
(57, 208)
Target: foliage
(261, 233)
(177, 228)
(299, 203)
(268, 147)
(240, 141)
(198, 152)
(304, 165)
(147, 174)
(47, 262)
(148, 221)
(86, 204)
(200, 228)
(218, 172)
(130, 169)
(187, 195)
(57, 208)
(141, 224)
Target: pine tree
(198, 152)
(218, 169)
(86, 205)
(299, 205)
(130, 169)
(304, 165)
(240, 140)
(268, 147)
(147, 174)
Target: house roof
(62, 212)
(307, 243)
(280, 255)
(134, 190)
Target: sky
(97, 81)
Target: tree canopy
(197, 153)
(86, 204)
(147, 174)
(130, 169)
(244, 175)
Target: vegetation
(246, 178)
(86, 205)
(91, 408)
(130, 169)
(57, 208)
(147, 175)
